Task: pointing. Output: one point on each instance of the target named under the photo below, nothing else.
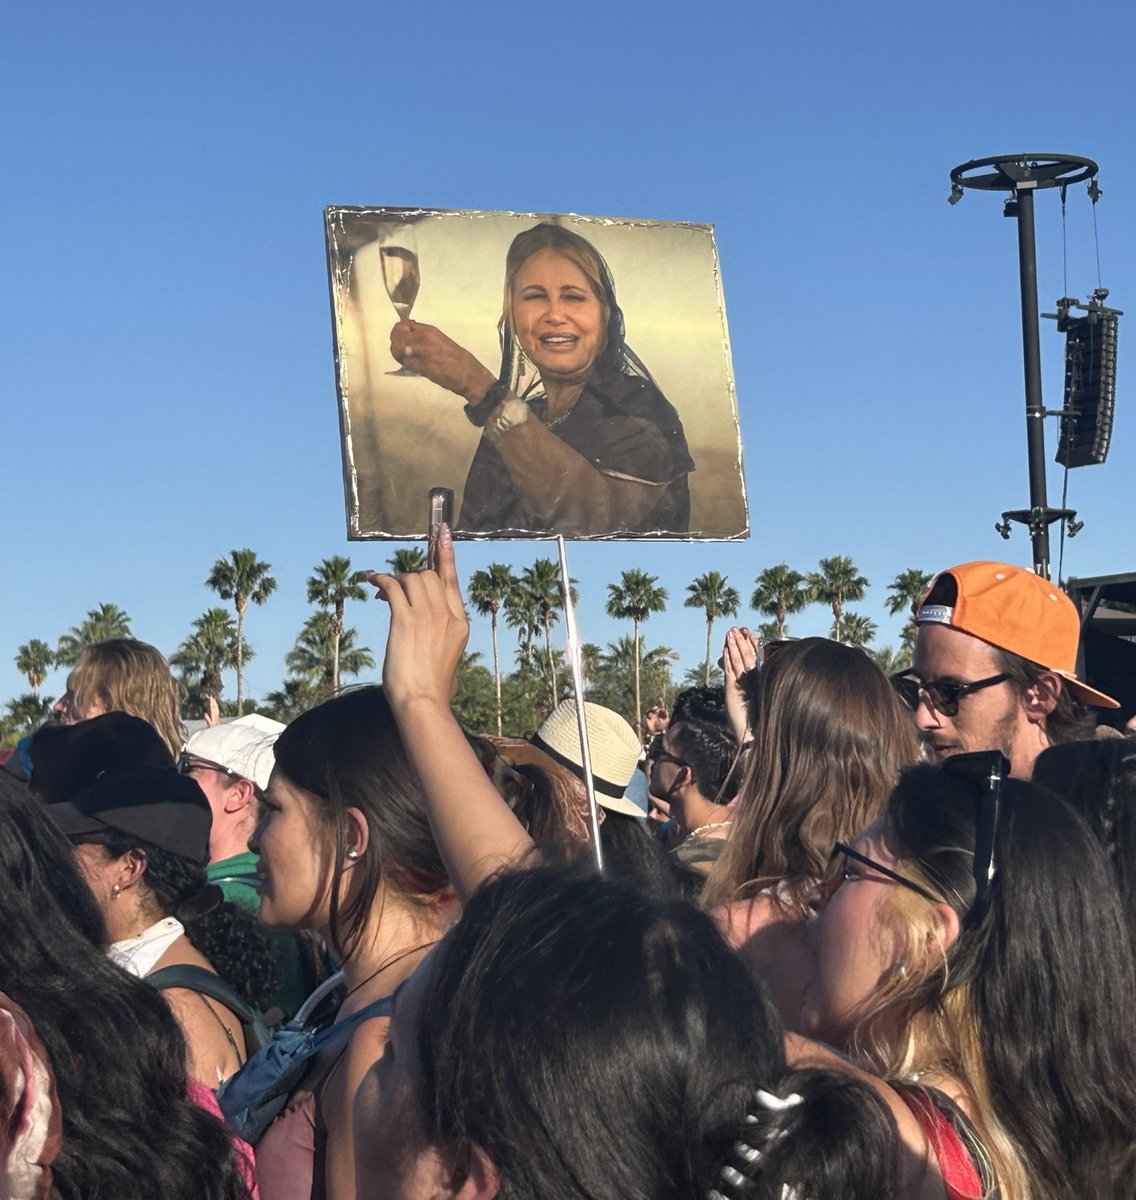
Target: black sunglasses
(894, 876)
(657, 754)
(987, 768)
(941, 694)
(187, 763)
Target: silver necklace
(711, 825)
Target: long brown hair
(829, 740)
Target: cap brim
(71, 821)
(1085, 694)
(620, 804)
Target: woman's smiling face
(557, 317)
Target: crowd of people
(852, 936)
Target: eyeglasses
(658, 754)
(187, 763)
(941, 694)
(988, 768)
(893, 876)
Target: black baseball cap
(68, 758)
(154, 804)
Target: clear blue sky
(165, 343)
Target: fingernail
(445, 538)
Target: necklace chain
(710, 825)
(390, 962)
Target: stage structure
(1090, 367)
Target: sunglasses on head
(941, 694)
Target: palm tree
(854, 629)
(541, 587)
(770, 631)
(332, 585)
(906, 590)
(487, 591)
(522, 614)
(781, 592)
(28, 712)
(242, 578)
(635, 598)
(612, 683)
(710, 593)
(33, 660)
(406, 560)
(313, 656)
(210, 649)
(891, 661)
(101, 624)
(836, 582)
(295, 696)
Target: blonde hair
(918, 1022)
(126, 675)
(830, 739)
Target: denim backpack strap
(253, 1097)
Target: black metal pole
(1035, 412)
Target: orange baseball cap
(1016, 610)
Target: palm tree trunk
(335, 661)
(709, 635)
(497, 672)
(551, 662)
(638, 705)
(240, 661)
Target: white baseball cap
(244, 746)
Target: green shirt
(236, 878)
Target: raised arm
(475, 830)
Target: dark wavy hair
(235, 944)
(1030, 1005)
(348, 753)
(598, 1043)
(119, 1058)
(710, 750)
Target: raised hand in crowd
(739, 655)
(475, 831)
(656, 718)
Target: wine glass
(398, 254)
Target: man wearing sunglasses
(995, 658)
(689, 770)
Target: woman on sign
(577, 437)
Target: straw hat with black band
(612, 744)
